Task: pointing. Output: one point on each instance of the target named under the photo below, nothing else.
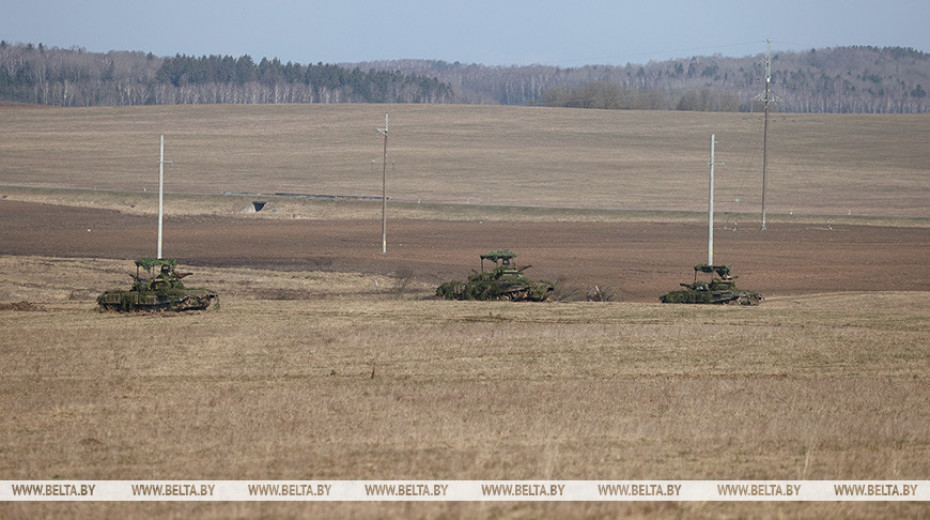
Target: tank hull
(490, 290)
(499, 284)
(167, 300)
(712, 297)
(504, 282)
(720, 290)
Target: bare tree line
(74, 77)
(839, 80)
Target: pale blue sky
(495, 32)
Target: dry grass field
(524, 156)
(327, 360)
(389, 385)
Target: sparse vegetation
(568, 290)
(403, 280)
(601, 293)
(819, 387)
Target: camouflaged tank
(161, 291)
(720, 289)
(503, 282)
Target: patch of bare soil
(636, 261)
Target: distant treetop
(861, 79)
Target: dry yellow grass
(819, 387)
(523, 156)
(277, 383)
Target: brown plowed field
(638, 260)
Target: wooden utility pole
(710, 211)
(161, 191)
(384, 189)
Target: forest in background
(833, 80)
(75, 77)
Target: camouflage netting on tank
(150, 263)
(722, 271)
(719, 290)
(500, 283)
(499, 254)
(505, 282)
(157, 292)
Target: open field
(329, 360)
(384, 385)
(524, 156)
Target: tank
(505, 281)
(157, 286)
(720, 289)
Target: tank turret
(157, 286)
(720, 289)
(505, 281)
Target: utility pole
(710, 211)
(765, 129)
(384, 189)
(161, 191)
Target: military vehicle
(161, 291)
(505, 281)
(721, 289)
